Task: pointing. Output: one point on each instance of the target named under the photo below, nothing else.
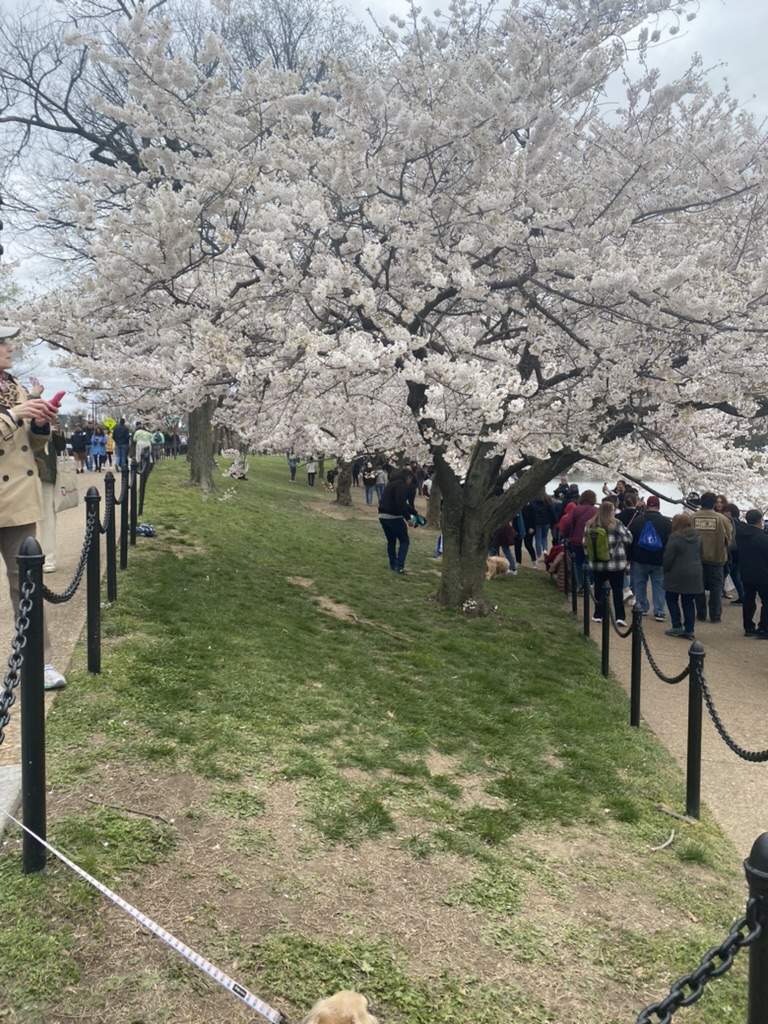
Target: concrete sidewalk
(65, 623)
(736, 673)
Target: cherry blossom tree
(461, 247)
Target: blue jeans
(369, 488)
(689, 610)
(579, 562)
(542, 533)
(121, 455)
(380, 490)
(89, 457)
(396, 531)
(641, 573)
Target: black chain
(91, 522)
(757, 756)
(16, 659)
(672, 680)
(108, 510)
(708, 969)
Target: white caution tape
(200, 962)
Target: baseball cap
(652, 502)
(8, 331)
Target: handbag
(65, 495)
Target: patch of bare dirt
(220, 894)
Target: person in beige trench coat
(24, 429)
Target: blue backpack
(649, 539)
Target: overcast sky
(731, 33)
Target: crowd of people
(679, 569)
(95, 446)
(690, 562)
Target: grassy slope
(451, 814)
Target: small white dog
(343, 1008)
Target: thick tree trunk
(200, 450)
(473, 510)
(433, 506)
(344, 484)
(321, 467)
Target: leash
(240, 991)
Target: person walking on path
(122, 438)
(650, 532)
(753, 562)
(716, 534)
(79, 442)
(25, 428)
(369, 482)
(573, 532)
(311, 472)
(607, 565)
(683, 575)
(395, 510)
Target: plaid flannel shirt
(618, 538)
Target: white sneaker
(54, 680)
(596, 619)
(620, 622)
(49, 567)
(511, 572)
(627, 593)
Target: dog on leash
(327, 486)
(343, 1008)
(496, 565)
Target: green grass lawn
(343, 785)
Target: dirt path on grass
(65, 621)
(736, 671)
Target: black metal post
(586, 608)
(93, 583)
(109, 504)
(695, 700)
(605, 666)
(134, 516)
(30, 559)
(756, 868)
(124, 514)
(637, 662)
(574, 588)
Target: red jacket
(574, 525)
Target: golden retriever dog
(343, 1008)
(496, 565)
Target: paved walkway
(65, 623)
(736, 671)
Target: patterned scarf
(11, 392)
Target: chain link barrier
(109, 510)
(672, 680)
(16, 659)
(91, 522)
(756, 756)
(713, 964)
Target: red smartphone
(56, 400)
